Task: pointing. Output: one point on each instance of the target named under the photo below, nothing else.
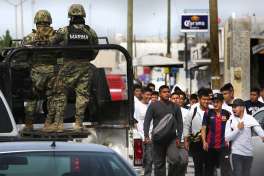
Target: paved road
(190, 169)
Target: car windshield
(63, 164)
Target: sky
(109, 17)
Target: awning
(156, 60)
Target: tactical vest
(79, 37)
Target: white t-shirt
(184, 116)
(136, 100)
(195, 123)
(228, 108)
(261, 99)
(139, 115)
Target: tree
(5, 40)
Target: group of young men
(206, 128)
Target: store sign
(258, 48)
(194, 22)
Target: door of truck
(7, 122)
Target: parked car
(61, 159)
(257, 166)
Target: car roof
(13, 147)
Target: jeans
(199, 158)
(159, 158)
(177, 170)
(241, 165)
(218, 157)
(147, 159)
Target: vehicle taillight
(138, 152)
(75, 165)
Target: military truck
(108, 122)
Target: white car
(61, 159)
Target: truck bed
(67, 134)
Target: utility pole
(22, 18)
(186, 55)
(16, 21)
(130, 27)
(214, 43)
(33, 2)
(169, 30)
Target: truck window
(5, 122)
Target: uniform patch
(79, 37)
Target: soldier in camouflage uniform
(76, 71)
(40, 73)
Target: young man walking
(156, 112)
(154, 96)
(228, 92)
(213, 136)
(253, 105)
(239, 132)
(139, 114)
(178, 98)
(192, 131)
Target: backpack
(165, 130)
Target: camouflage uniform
(76, 71)
(40, 73)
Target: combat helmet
(42, 16)
(76, 10)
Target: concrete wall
(237, 55)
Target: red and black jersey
(215, 128)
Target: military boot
(47, 125)
(54, 128)
(60, 127)
(78, 125)
(28, 125)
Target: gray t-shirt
(156, 111)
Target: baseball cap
(238, 102)
(218, 96)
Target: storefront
(160, 70)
